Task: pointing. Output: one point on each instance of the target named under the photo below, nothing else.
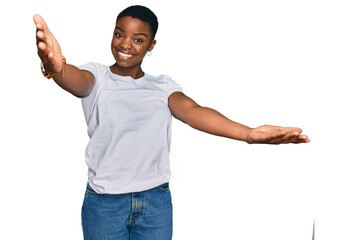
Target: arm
(78, 82)
(211, 121)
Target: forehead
(133, 25)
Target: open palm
(49, 50)
(277, 135)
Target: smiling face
(132, 39)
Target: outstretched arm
(77, 82)
(211, 121)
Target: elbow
(83, 90)
(79, 93)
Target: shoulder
(99, 72)
(93, 67)
(158, 78)
(169, 85)
(163, 79)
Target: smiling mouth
(124, 55)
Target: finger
(268, 134)
(51, 58)
(45, 55)
(40, 36)
(43, 43)
(296, 139)
(41, 25)
(291, 135)
(283, 141)
(39, 21)
(42, 49)
(276, 135)
(303, 139)
(286, 138)
(293, 130)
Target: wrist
(248, 138)
(61, 72)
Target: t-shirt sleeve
(173, 86)
(95, 69)
(89, 101)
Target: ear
(152, 44)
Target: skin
(131, 41)
(133, 37)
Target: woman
(128, 113)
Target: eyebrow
(136, 34)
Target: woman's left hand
(276, 135)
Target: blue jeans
(143, 215)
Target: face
(131, 41)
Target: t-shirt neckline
(125, 77)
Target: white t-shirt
(129, 125)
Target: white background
(257, 62)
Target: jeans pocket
(90, 190)
(164, 187)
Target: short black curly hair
(142, 13)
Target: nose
(126, 44)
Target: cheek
(143, 49)
(114, 42)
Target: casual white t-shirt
(129, 125)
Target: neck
(135, 71)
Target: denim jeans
(143, 215)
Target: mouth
(124, 55)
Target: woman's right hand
(78, 82)
(49, 50)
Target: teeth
(124, 54)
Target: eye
(118, 35)
(138, 40)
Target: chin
(125, 64)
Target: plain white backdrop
(257, 62)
